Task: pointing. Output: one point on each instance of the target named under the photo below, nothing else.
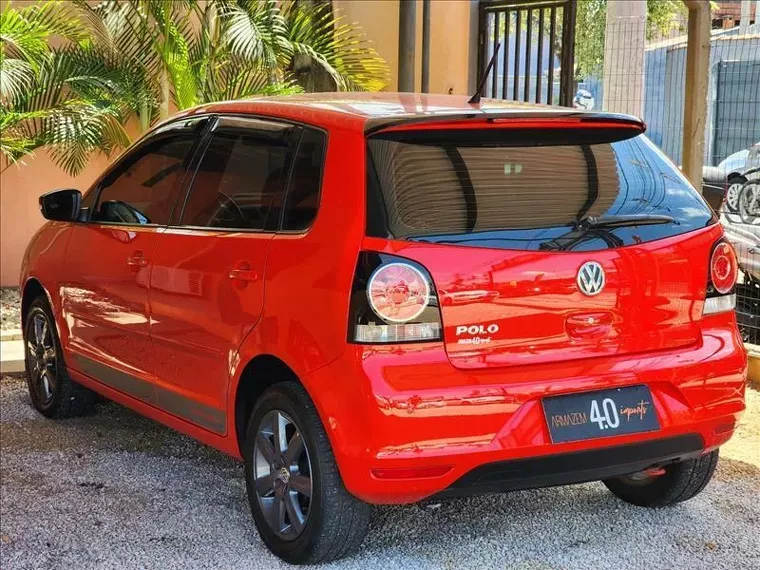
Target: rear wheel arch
(261, 372)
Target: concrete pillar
(745, 17)
(407, 34)
(426, 46)
(625, 36)
(695, 94)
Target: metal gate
(537, 44)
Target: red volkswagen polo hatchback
(382, 298)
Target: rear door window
(240, 181)
(529, 190)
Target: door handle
(243, 272)
(137, 260)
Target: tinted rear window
(525, 190)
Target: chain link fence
(643, 72)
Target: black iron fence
(537, 39)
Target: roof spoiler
(501, 119)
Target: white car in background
(729, 175)
(745, 237)
(746, 241)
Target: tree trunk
(310, 75)
(164, 108)
(144, 116)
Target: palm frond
(77, 129)
(174, 28)
(340, 49)
(25, 32)
(254, 30)
(126, 58)
(15, 75)
(22, 39)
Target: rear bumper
(406, 425)
(575, 467)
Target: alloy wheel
(41, 354)
(282, 475)
(732, 196)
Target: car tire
(51, 390)
(334, 521)
(680, 482)
(733, 191)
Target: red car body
(182, 322)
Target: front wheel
(52, 392)
(301, 508)
(680, 482)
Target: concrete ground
(115, 490)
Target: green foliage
(661, 16)
(121, 59)
(591, 20)
(63, 97)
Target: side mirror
(61, 205)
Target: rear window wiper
(605, 222)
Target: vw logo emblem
(591, 278)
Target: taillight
(724, 271)
(724, 268)
(392, 301)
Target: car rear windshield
(560, 189)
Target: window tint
(240, 182)
(493, 190)
(305, 181)
(143, 189)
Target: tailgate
(506, 308)
(545, 243)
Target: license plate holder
(602, 413)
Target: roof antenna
(475, 99)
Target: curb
(11, 334)
(753, 367)
(11, 356)
(11, 366)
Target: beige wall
(452, 66)
(452, 25)
(20, 188)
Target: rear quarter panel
(308, 275)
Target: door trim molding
(165, 400)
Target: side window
(305, 181)
(144, 188)
(240, 181)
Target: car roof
(371, 111)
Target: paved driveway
(115, 490)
